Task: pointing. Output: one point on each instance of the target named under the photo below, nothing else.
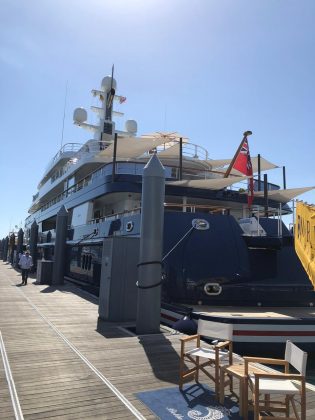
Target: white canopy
(283, 196)
(265, 165)
(171, 141)
(132, 147)
(168, 136)
(218, 163)
(210, 184)
(172, 151)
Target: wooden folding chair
(265, 385)
(214, 356)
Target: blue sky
(209, 69)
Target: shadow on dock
(159, 351)
(162, 357)
(67, 288)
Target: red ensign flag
(243, 164)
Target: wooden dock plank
(6, 409)
(53, 382)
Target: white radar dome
(79, 115)
(107, 82)
(131, 126)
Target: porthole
(200, 224)
(212, 289)
(129, 226)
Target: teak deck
(66, 365)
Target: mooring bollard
(33, 244)
(60, 247)
(151, 244)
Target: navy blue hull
(248, 276)
(266, 276)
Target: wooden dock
(66, 365)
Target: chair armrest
(223, 344)
(265, 360)
(292, 376)
(189, 338)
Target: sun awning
(283, 196)
(132, 147)
(210, 184)
(218, 163)
(171, 141)
(168, 136)
(172, 151)
(265, 165)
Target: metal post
(293, 215)
(33, 244)
(151, 244)
(284, 179)
(266, 194)
(114, 158)
(5, 248)
(19, 247)
(180, 158)
(60, 247)
(280, 220)
(259, 173)
(12, 248)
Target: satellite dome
(107, 82)
(79, 115)
(131, 126)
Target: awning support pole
(114, 158)
(266, 194)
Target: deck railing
(128, 168)
(68, 147)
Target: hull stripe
(275, 333)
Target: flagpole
(228, 171)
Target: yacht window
(86, 262)
(83, 261)
(89, 262)
(173, 172)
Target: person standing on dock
(26, 262)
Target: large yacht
(245, 254)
